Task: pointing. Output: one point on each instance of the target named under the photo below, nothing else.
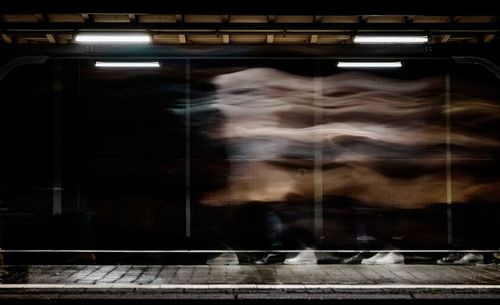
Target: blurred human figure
(384, 258)
(471, 222)
(225, 258)
(464, 258)
(300, 238)
(258, 227)
(361, 219)
(273, 231)
(305, 257)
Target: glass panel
(26, 179)
(252, 165)
(384, 159)
(132, 155)
(475, 164)
(248, 154)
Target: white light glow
(121, 64)
(391, 39)
(385, 64)
(113, 38)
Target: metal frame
(490, 50)
(480, 61)
(21, 61)
(254, 28)
(184, 53)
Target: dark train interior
(253, 148)
(252, 136)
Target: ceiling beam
(6, 38)
(40, 17)
(88, 18)
(444, 38)
(410, 19)
(254, 7)
(489, 38)
(444, 28)
(50, 38)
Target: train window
(247, 158)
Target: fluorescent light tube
(380, 64)
(113, 38)
(122, 64)
(390, 39)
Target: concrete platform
(65, 283)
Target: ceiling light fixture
(122, 64)
(390, 39)
(378, 64)
(113, 38)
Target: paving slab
(248, 282)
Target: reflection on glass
(281, 156)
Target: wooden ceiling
(192, 29)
